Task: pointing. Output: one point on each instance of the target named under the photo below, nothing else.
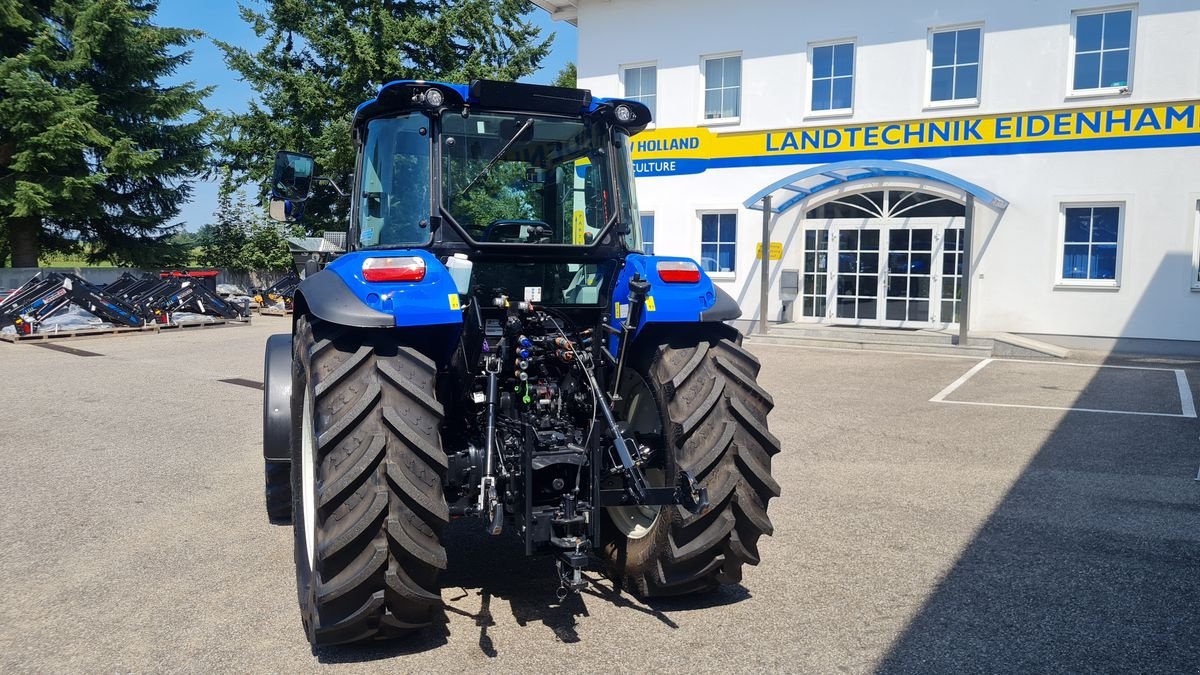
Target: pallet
(149, 329)
(203, 324)
(57, 336)
(271, 311)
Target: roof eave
(561, 10)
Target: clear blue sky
(219, 19)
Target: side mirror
(293, 176)
(286, 211)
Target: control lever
(638, 290)
(635, 482)
(489, 508)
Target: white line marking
(1050, 407)
(1185, 394)
(751, 342)
(1085, 365)
(940, 397)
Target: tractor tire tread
(715, 420)
(378, 469)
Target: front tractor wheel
(703, 402)
(367, 466)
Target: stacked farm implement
(65, 305)
(277, 298)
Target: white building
(1073, 129)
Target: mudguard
(339, 294)
(277, 399)
(699, 302)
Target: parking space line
(940, 397)
(1185, 394)
(1087, 365)
(1186, 402)
(1051, 407)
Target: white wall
(1025, 54)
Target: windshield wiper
(520, 132)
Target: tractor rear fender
(678, 303)
(341, 295)
(277, 398)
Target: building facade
(1059, 140)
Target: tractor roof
(402, 95)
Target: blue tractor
(493, 345)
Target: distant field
(71, 261)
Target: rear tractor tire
(712, 416)
(367, 467)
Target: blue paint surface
(673, 303)
(413, 303)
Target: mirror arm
(326, 179)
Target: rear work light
(678, 271)
(408, 268)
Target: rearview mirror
(286, 211)
(293, 176)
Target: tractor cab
(497, 169)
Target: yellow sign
(579, 223)
(661, 152)
(775, 252)
(454, 301)
(649, 303)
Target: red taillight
(678, 271)
(408, 268)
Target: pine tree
(92, 148)
(567, 77)
(221, 242)
(322, 58)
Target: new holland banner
(681, 151)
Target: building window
(954, 69)
(648, 233)
(718, 242)
(816, 273)
(1091, 236)
(1196, 252)
(1103, 44)
(722, 87)
(641, 84)
(832, 77)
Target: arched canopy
(800, 186)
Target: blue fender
(698, 302)
(339, 294)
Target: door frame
(834, 226)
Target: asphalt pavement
(987, 532)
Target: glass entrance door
(884, 258)
(907, 279)
(891, 274)
(857, 285)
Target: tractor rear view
(495, 347)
